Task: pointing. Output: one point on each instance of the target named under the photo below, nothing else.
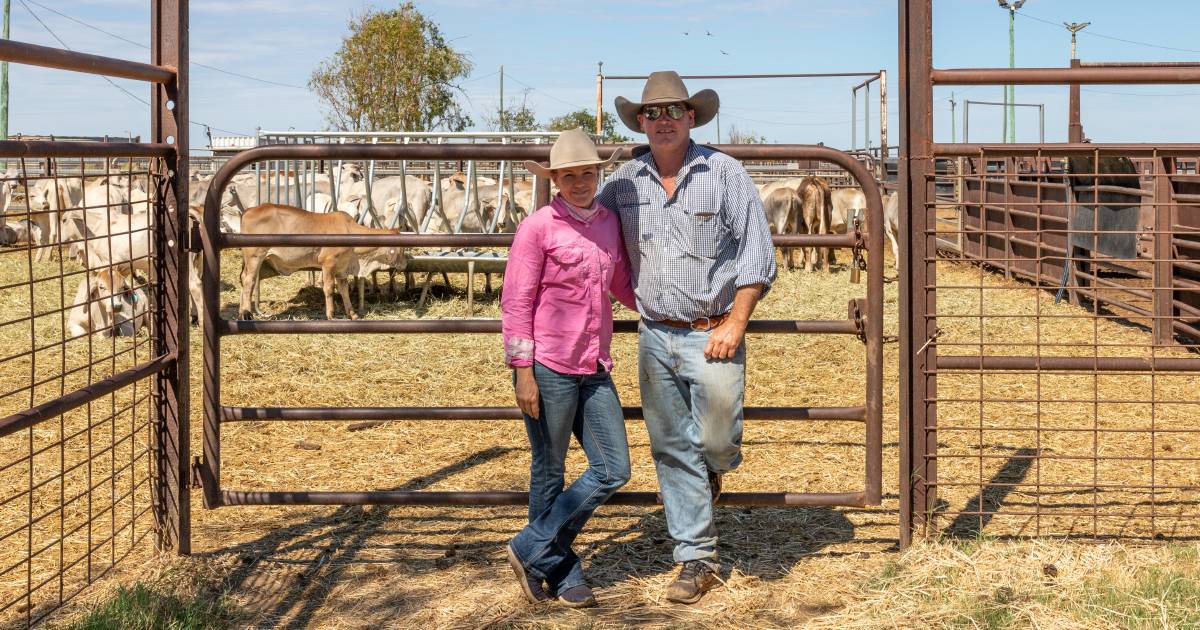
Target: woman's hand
(527, 392)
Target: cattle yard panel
(93, 326)
(1049, 359)
(291, 181)
(864, 320)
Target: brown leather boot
(695, 578)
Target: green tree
(587, 121)
(513, 117)
(394, 72)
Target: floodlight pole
(1010, 91)
(1075, 27)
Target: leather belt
(702, 324)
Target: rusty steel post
(169, 125)
(1164, 268)
(1074, 124)
(917, 270)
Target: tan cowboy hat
(666, 87)
(573, 148)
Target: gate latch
(856, 310)
(194, 244)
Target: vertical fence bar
(1164, 267)
(917, 271)
(169, 120)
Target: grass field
(352, 567)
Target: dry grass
(344, 567)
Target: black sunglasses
(675, 111)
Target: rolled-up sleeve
(622, 281)
(748, 222)
(522, 277)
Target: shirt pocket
(700, 233)
(566, 256)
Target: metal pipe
(54, 408)
(64, 149)
(433, 498)
(490, 326)
(48, 57)
(1086, 364)
(238, 240)
(1082, 75)
(631, 77)
(238, 414)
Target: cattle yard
(1029, 374)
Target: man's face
(665, 132)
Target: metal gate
(1048, 379)
(864, 320)
(93, 429)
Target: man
(701, 256)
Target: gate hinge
(194, 242)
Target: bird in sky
(724, 53)
(706, 32)
(686, 33)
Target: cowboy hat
(572, 148)
(666, 87)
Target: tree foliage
(513, 117)
(394, 72)
(737, 136)
(587, 121)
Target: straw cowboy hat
(666, 87)
(573, 148)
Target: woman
(557, 319)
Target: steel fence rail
(865, 320)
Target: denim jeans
(587, 406)
(693, 412)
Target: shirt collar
(693, 155)
(563, 210)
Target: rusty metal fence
(864, 320)
(1049, 367)
(93, 340)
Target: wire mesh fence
(78, 291)
(1067, 347)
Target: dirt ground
(360, 567)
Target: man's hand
(527, 392)
(724, 340)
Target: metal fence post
(169, 124)
(917, 271)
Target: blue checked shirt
(690, 253)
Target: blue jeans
(693, 411)
(587, 406)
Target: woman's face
(577, 184)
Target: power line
(550, 96)
(787, 124)
(110, 81)
(1116, 39)
(140, 44)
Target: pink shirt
(555, 304)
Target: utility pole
(600, 101)
(1010, 93)
(4, 83)
(953, 123)
(503, 124)
(1075, 27)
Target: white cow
(99, 309)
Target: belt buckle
(707, 324)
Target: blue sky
(550, 49)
